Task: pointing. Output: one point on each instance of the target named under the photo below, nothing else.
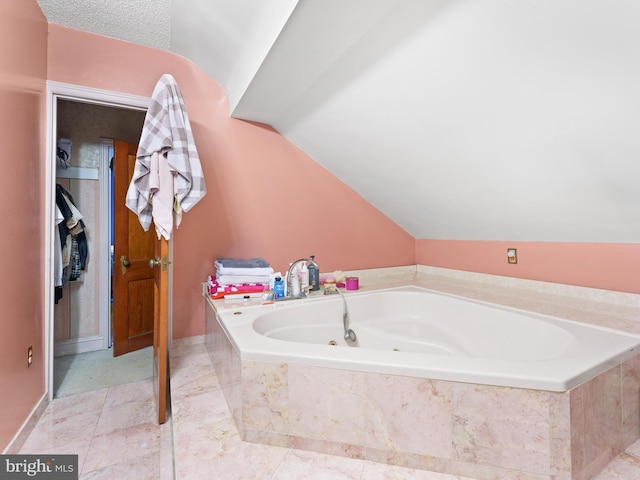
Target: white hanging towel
(171, 182)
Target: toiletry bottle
(294, 282)
(304, 278)
(314, 275)
(278, 287)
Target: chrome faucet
(303, 292)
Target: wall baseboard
(16, 443)
(78, 345)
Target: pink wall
(23, 61)
(265, 196)
(610, 266)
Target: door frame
(82, 94)
(104, 304)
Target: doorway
(59, 97)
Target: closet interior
(85, 134)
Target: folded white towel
(222, 270)
(240, 279)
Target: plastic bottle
(278, 287)
(314, 275)
(294, 282)
(303, 274)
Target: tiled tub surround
(481, 431)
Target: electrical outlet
(512, 255)
(29, 356)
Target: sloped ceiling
(459, 119)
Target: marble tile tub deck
(479, 431)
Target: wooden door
(141, 291)
(133, 292)
(161, 330)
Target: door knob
(124, 263)
(154, 262)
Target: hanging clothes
(72, 241)
(168, 178)
(57, 251)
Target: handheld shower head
(350, 336)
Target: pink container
(352, 283)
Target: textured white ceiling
(146, 22)
(470, 120)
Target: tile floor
(115, 436)
(112, 430)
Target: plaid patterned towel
(166, 131)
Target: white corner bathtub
(412, 331)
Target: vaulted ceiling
(458, 119)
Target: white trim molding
(66, 91)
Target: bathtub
(416, 332)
